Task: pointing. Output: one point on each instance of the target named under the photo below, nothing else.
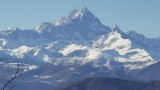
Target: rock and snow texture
(79, 39)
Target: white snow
(72, 47)
(74, 40)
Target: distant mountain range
(75, 47)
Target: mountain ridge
(83, 29)
(78, 46)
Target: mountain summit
(81, 13)
(80, 24)
(80, 16)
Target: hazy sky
(142, 16)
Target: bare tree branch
(9, 81)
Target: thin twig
(16, 76)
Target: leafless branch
(9, 81)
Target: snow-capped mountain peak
(74, 45)
(83, 29)
(12, 29)
(81, 16)
(46, 26)
(80, 13)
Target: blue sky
(142, 16)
